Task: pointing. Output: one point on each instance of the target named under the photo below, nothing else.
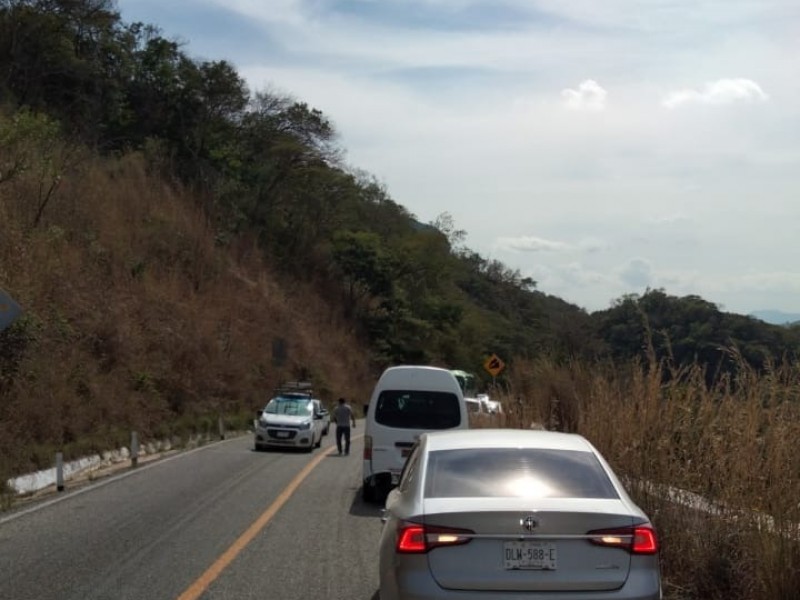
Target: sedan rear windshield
(417, 409)
(516, 472)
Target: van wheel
(368, 493)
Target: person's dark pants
(343, 432)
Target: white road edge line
(110, 479)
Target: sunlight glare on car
(528, 487)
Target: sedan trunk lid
(517, 546)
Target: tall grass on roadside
(715, 466)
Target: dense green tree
(63, 57)
(687, 330)
(365, 266)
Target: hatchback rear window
(516, 472)
(417, 409)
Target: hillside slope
(135, 319)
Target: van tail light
(367, 447)
(415, 538)
(640, 539)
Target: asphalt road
(154, 533)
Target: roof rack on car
(296, 387)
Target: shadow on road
(359, 508)
(279, 450)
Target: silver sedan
(506, 514)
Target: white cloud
(593, 245)
(560, 276)
(589, 96)
(659, 16)
(531, 244)
(578, 274)
(638, 273)
(722, 91)
(742, 291)
(780, 281)
(350, 43)
(678, 219)
(468, 121)
(285, 12)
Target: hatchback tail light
(367, 447)
(415, 538)
(640, 539)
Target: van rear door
(400, 416)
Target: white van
(406, 402)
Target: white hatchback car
(290, 420)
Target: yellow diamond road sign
(493, 364)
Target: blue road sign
(9, 310)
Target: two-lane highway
(222, 522)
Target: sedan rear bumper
(420, 585)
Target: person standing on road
(343, 416)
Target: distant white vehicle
(476, 403)
(493, 407)
(474, 406)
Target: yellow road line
(194, 591)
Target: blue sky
(599, 147)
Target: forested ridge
(182, 199)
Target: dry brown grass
(733, 445)
(136, 319)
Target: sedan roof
(506, 438)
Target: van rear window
(417, 409)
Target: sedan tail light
(640, 539)
(415, 538)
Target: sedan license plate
(530, 555)
(282, 434)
